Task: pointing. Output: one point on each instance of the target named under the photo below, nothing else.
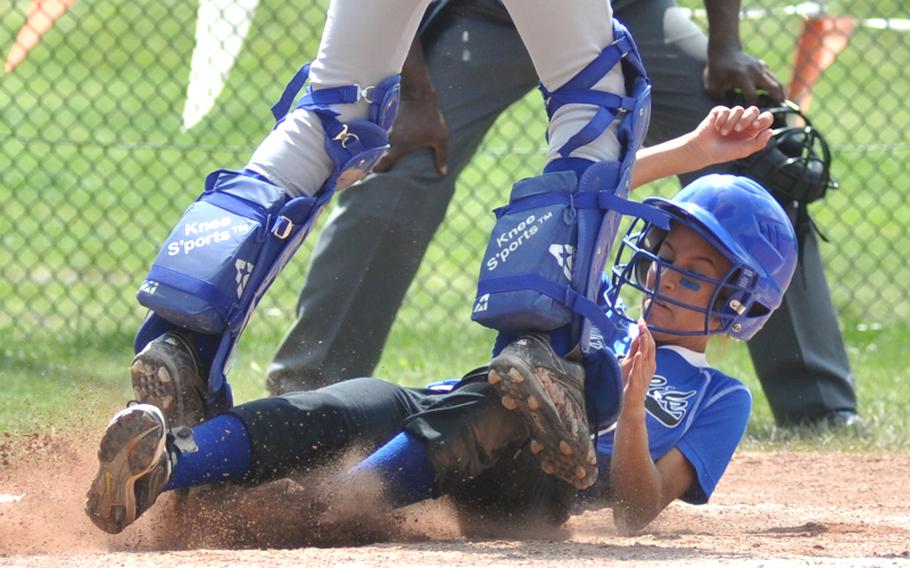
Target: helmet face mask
(744, 225)
(640, 266)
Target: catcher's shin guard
(543, 266)
(239, 234)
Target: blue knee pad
(225, 251)
(232, 242)
(542, 268)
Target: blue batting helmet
(740, 219)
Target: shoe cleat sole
(152, 384)
(562, 445)
(131, 448)
(154, 373)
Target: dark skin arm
(728, 66)
(419, 123)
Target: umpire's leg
(799, 356)
(372, 245)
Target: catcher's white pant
(365, 41)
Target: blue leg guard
(239, 234)
(542, 269)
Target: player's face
(684, 249)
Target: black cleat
(134, 468)
(166, 374)
(548, 392)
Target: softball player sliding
(716, 260)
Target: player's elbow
(629, 520)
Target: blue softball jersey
(696, 409)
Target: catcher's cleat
(548, 392)
(166, 374)
(134, 468)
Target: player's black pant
(476, 447)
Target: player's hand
(638, 368)
(731, 69)
(728, 134)
(419, 125)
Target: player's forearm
(723, 24)
(635, 480)
(415, 75)
(673, 157)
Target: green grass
(876, 359)
(94, 169)
(86, 381)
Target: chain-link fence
(106, 136)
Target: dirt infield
(824, 509)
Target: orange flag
(41, 17)
(822, 39)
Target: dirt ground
(798, 509)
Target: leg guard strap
(354, 146)
(580, 90)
